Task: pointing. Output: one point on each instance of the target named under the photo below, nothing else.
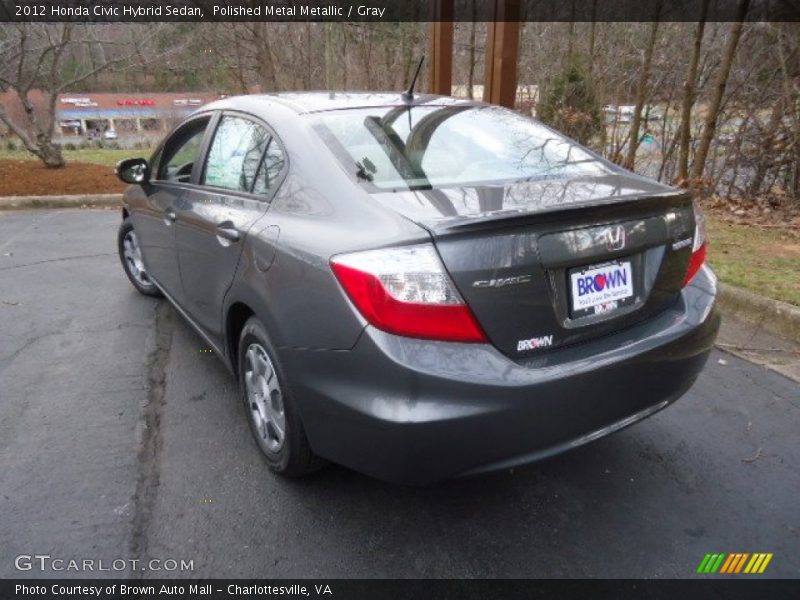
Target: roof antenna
(408, 95)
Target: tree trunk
(791, 85)
(50, 154)
(592, 32)
(309, 50)
(641, 94)
(571, 34)
(42, 147)
(330, 72)
(710, 123)
(41, 144)
(765, 155)
(240, 77)
(409, 49)
(471, 65)
(735, 154)
(688, 98)
(668, 142)
(344, 67)
(265, 66)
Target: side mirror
(133, 170)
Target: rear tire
(270, 406)
(130, 255)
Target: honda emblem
(615, 237)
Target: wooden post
(440, 72)
(502, 53)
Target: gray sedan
(419, 287)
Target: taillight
(406, 291)
(698, 247)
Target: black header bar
(99, 11)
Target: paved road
(120, 438)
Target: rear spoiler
(513, 218)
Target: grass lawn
(99, 156)
(763, 260)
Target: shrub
(570, 104)
(70, 146)
(11, 146)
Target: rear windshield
(424, 147)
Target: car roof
(310, 102)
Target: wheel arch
(237, 315)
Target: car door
(242, 164)
(154, 221)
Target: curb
(780, 318)
(76, 201)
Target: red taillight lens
(406, 291)
(695, 263)
(699, 246)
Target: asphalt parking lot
(121, 438)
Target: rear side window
(270, 169)
(235, 154)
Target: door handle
(227, 231)
(169, 216)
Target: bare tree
(592, 36)
(689, 96)
(471, 49)
(330, 75)
(790, 71)
(34, 56)
(712, 112)
(734, 94)
(641, 91)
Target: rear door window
(270, 168)
(235, 154)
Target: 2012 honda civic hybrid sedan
(419, 287)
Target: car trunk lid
(535, 260)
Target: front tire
(130, 254)
(270, 407)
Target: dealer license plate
(601, 288)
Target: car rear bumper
(415, 411)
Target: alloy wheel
(133, 259)
(264, 398)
